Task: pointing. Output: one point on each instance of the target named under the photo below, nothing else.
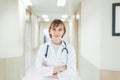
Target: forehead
(57, 26)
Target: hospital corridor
(24, 27)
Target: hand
(54, 76)
(43, 65)
(59, 69)
(63, 68)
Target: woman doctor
(56, 60)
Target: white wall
(97, 43)
(35, 29)
(110, 44)
(91, 31)
(11, 39)
(66, 36)
(71, 30)
(45, 26)
(10, 31)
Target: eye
(54, 29)
(60, 29)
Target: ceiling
(49, 7)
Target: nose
(56, 32)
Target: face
(57, 32)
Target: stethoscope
(65, 48)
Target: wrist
(63, 68)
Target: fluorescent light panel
(44, 16)
(61, 2)
(64, 16)
(46, 20)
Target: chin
(57, 38)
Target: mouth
(57, 36)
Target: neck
(57, 42)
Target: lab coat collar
(63, 44)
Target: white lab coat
(56, 59)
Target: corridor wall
(99, 59)
(12, 18)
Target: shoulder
(44, 46)
(42, 49)
(71, 50)
(70, 47)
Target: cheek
(62, 32)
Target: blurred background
(24, 27)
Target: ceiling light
(61, 2)
(46, 20)
(64, 16)
(44, 16)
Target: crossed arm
(56, 70)
(59, 71)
